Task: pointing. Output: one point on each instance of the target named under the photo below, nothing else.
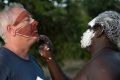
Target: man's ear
(11, 29)
(99, 31)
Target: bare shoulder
(105, 66)
(102, 67)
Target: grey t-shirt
(12, 67)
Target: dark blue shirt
(12, 67)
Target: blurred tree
(64, 22)
(94, 7)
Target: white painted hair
(6, 18)
(110, 20)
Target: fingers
(44, 52)
(43, 49)
(46, 48)
(44, 38)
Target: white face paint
(92, 22)
(86, 38)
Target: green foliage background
(64, 21)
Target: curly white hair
(110, 20)
(7, 17)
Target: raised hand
(45, 47)
(46, 50)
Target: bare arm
(46, 51)
(55, 70)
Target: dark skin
(103, 65)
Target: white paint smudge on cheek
(86, 38)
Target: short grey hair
(110, 20)
(6, 18)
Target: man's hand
(45, 47)
(46, 50)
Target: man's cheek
(29, 30)
(25, 31)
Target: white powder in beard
(86, 38)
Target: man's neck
(96, 49)
(20, 51)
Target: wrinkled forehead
(17, 11)
(22, 14)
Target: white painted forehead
(92, 22)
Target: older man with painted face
(102, 41)
(19, 31)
